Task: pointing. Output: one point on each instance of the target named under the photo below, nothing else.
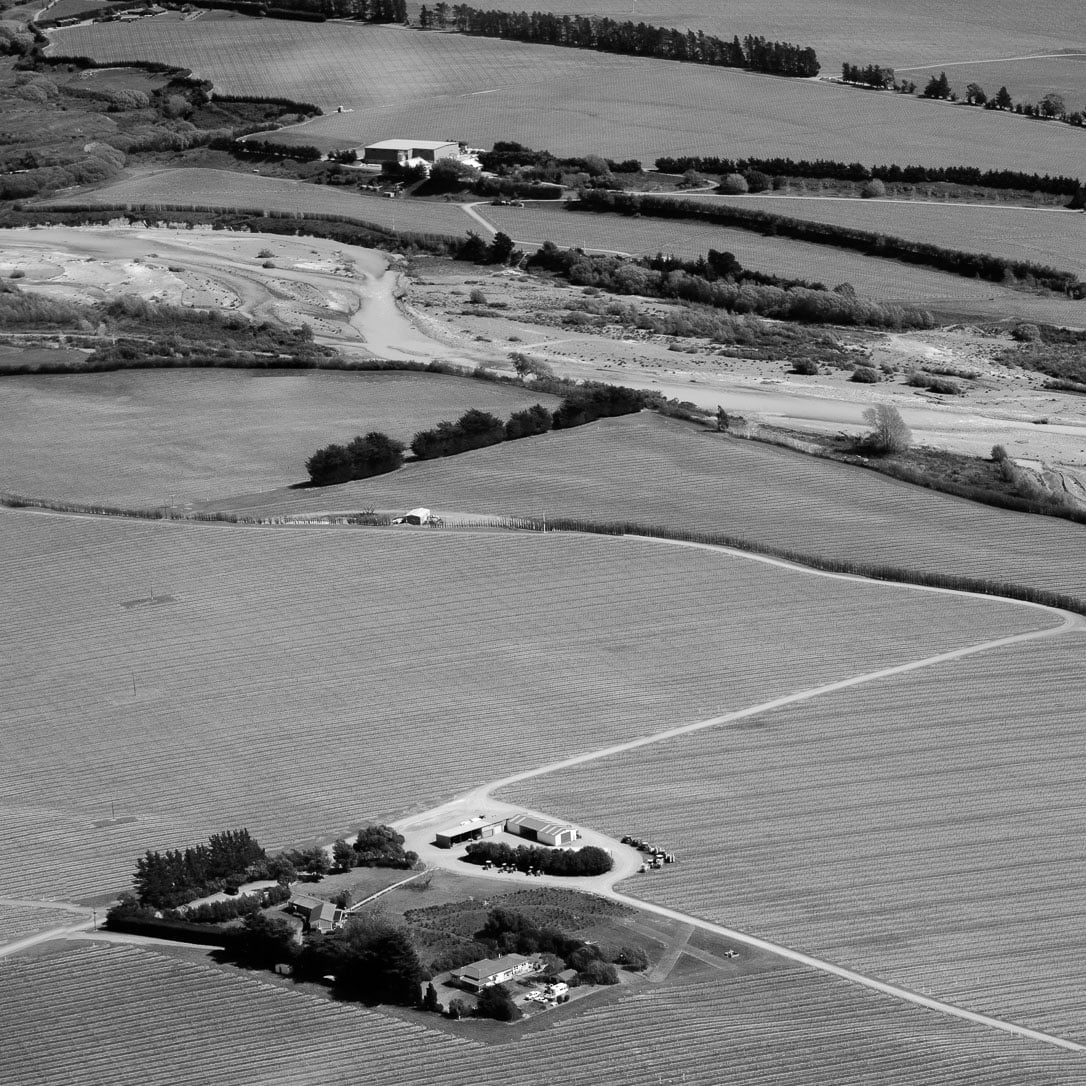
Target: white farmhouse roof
(410, 145)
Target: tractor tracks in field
(417, 827)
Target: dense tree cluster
(589, 860)
(375, 846)
(971, 265)
(870, 75)
(370, 11)
(855, 171)
(268, 149)
(627, 38)
(372, 454)
(742, 293)
(167, 879)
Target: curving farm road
(419, 829)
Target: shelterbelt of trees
(855, 171)
(627, 38)
(994, 269)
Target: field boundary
(820, 563)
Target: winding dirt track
(419, 829)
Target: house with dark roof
(317, 914)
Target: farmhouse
(318, 915)
(491, 971)
(403, 151)
(539, 829)
(471, 829)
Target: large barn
(539, 829)
(403, 151)
(473, 829)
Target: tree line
(671, 279)
(627, 38)
(167, 879)
(985, 266)
(377, 453)
(589, 860)
(855, 171)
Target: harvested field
(180, 671)
(661, 472)
(570, 101)
(883, 280)
(172, 437)
(920, 32)
(1055, 238)
(228, 190)
(919, 829)
(109, 1013)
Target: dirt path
(418, 829)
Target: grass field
(922, 830)
(161, 437)
(226, 189)
(1027, 80)
(884, 280)
(570, 101)
(202, 677)
(656, 471)
(920, 32)
(110, 1013)
(1050, 237)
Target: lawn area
(301, 682)
(658, 471)
(404, 82)
(918, 829)
(158, 437)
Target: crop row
(655, 471)
(96, 1015)
(177, 670)
(919, 828)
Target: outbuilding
(472, 829)
(403, 151)
(539, 829)
(490, 971)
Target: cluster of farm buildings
(539, 830)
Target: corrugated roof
(410, 145)
(540, 825)
(489, 967)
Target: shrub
(808, 367)
(889, 434)
(733, 184)
(865, 375)
(999, 453)
(496, 1002)
(872, 189)
(477, 297)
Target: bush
(807, 367)
(496, 1002)
(889, 434)
(733, 184)
(374, 454)
(872, 189)
(865, 375)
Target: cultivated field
(660, 472)
(1028, 79)
(108, 1014)
(1051, 237)
(571, 101)
(920, 32)
(227, 190)
(171, 437)
(922, 829)
(884, 280)
(300, 682)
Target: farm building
(318, 915)
(403, 151)
(491, 971)
(539, 829)
(470, 830)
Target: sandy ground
(362, 302)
